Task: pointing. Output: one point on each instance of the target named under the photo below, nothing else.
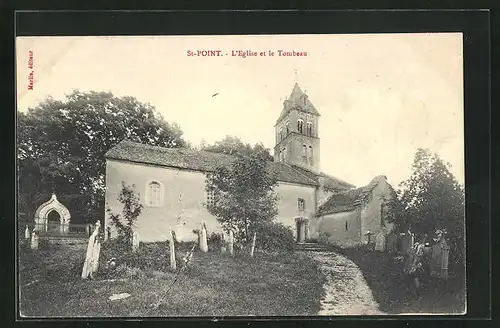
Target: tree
(243, 193)
(61, 147)
(431, 198)
(234, 146)
(132, 209)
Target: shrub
(273, 236)
(214, 240)
(323, 237)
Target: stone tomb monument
(42, 216)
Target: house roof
(297, 100)
(190, 159)
(349, 200)
(328, 181)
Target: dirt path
(346, 291)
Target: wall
(371, 212)
(288, 209)
(183, 202)
(334, 225)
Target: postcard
(240, 175)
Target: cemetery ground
(393, 291)
(213, 284)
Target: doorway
(301, 229)
(53, 221)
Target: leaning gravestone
(380, 242)
(92, 256)
(231, 242)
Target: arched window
(281, 134)
(304, 153)
(287, 127)
(311, 157)
(154, 194)
(345, 225)
(284, 154)
(300, 126)
(309, 129)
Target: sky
(380, 96)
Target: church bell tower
(297, 133)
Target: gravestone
(203, 239)
(231, 242)
(135, 241)
(34, 241)
(92, 256)
(380, 242)
(391, 243)
(435, 264)
(445, 251)
(171, 245)
(407, 242)
(253, 244)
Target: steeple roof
(297, 100)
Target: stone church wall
(183, 200)
(288, 195)
(334, 225)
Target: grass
(279, 284)
(393, 290)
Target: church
(171, 185)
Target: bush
(214, 240)
(274, 237)
(323, 237)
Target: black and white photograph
(240, 175)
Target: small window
(311, 157)
(300, 126)
(284, 154)
(210, 198)
(301, 204)
(287, 128)
(345, 225)
(154, 194)
(281, 134)
(304, 153)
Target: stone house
(171, 181)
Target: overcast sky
(380, 96)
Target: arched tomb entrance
(52, 216)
